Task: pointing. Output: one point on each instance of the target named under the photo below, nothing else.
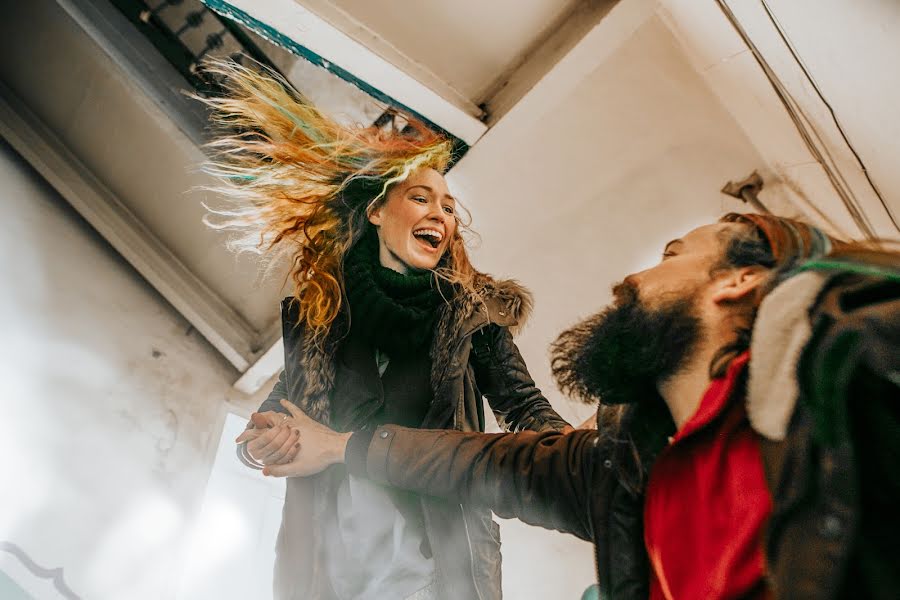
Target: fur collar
(780, 334)
(502, 302)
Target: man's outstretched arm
(544, 479)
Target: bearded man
(748, 429)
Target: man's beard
(621, 354)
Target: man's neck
(683, 391)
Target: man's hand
(320, 447)
(272, 440)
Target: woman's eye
(667, 255)
(449, 210)
(420, 199)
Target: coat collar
(502, 302)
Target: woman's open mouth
(428, 238)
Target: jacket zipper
(462, 509)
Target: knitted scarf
(393, 312)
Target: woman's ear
(374, 215)
(738, 285)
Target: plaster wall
(113, 406)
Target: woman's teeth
(431, 236)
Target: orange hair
(301, 184)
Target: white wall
(572, 197)
(112, 407)
(575, 197)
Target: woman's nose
(437, 213)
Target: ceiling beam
(224, 328)
(359, 31)
(288, 19)
(614, 24)
(543, 56)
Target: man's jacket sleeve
(544, 479)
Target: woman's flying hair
(300, 185)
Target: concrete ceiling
(595, 125)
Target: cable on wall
(806, 132)
(837, 123)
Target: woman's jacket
(473, 356)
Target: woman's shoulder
(505, 301)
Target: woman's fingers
(268, 442)
(291, 454)
(248, 435)
(279, 456)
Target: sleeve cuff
(357, 452)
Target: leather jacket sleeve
(503, 378)
(544, 479)
(278, 393)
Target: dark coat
(833, 531)
(473, 356)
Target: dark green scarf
(393, 312)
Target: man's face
(685, 265)
(621, 354)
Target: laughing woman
(388, 323)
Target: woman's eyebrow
(431, 190)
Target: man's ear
(737, 285)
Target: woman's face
(415, 223)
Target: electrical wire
(837, 123)
(806, 132)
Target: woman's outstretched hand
(320, 447)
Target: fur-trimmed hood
(780, 334)
(502, 302)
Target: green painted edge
(276, 37)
